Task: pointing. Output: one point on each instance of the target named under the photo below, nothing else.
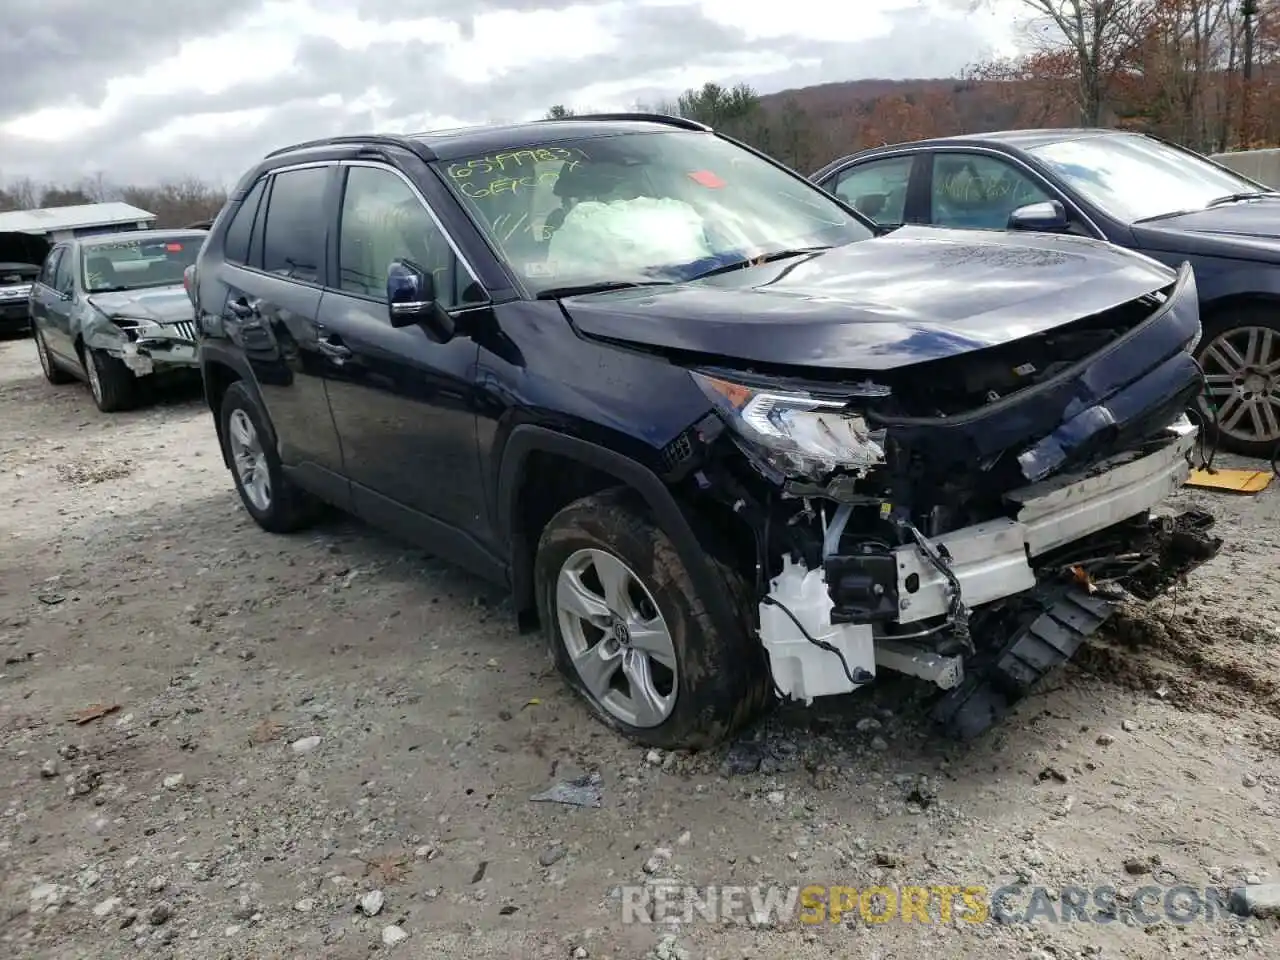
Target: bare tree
(1099, 34)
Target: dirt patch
(1198, 659)
(86, 472)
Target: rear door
(60, 303)
(41, 293)
(275, 275)
(404, 405)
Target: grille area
(185, 329)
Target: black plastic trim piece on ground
(1047, 641)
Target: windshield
(1135, 178)
(139, 262)
(641, 208)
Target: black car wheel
(52, 372)
(628, 631)
(276, 504)
(1240, 355)
(113, 387)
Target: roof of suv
(468, 141)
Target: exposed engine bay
(968, 521)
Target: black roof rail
(360, 139)
(684, 123)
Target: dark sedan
(1133, 190)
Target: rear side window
(236, 245)
(295, 234)
(50, 267)
(878, 189)
(62, 279)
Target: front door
(403, 404)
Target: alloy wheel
(616, 638)
(1242, 367)
(250, 460)
(91, 370)
(43, 353)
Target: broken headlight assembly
(137, 328)
(794, 432)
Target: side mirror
(1049, 216)
(411, 301)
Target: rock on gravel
(391, 935)
(305, 744)
(1256, 900)
(371, 903)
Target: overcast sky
(150, 89)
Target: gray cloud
(60, 51)
(655, 39)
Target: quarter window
(383, 220)
(877, 189)
(295, 232)
(236, 245)
(977, 191)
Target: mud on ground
(301, 721)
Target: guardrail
(1260, 165)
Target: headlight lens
(794, 432)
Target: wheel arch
(218, 371)
(583, 468)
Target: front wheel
(1240, 356)
(628, 631)
(113, 387)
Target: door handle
(333, 348)
(241, 308)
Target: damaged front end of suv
(967, 519)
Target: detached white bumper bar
(991, 560)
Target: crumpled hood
(916, 294)
(1249, 229)
(168, 304)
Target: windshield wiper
(601, 286)
(766, 258)
(1237, 197)
(109, 290)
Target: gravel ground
(302, 721)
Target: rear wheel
(275, 503)
(52, 372)
(1240, 355)
(628, 631)
(113, 387)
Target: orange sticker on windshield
(706, 178)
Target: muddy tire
(701, 686)
(52, 372)
(1240, 355)
(248, 442)
(111, 384)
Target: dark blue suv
(722, 440)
